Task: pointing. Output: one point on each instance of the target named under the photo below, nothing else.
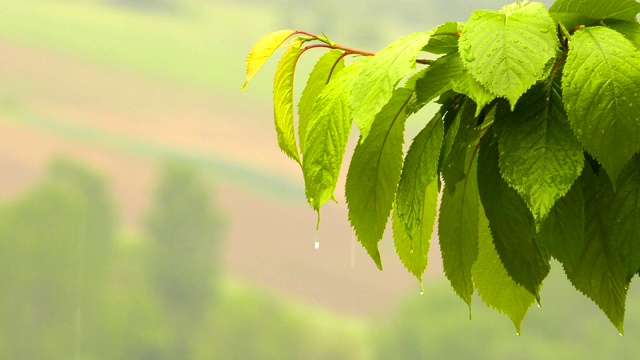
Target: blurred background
(147, 213)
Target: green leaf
(419, 170)
(539, 155)
(413, 248)
(463, 147)
(444, 39)
(283, 100)
(327, 135)
(562, 232)
(623, 218)
(601, 88)
(496, 288)
(262, 50)
(599, 274)
(584, 12)
(467, 85)
(458, 229)
(511, 223)
(630, 30)
(507, 51)
(374, 173)
(328, 65)
(378, 81)
(438, 78)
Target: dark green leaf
(374, 173)
(328, 65)
(438, 78)
(599, 273)
(601, 88)
(458, 228)
(512, 225)
(539, 155)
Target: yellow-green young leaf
(444, 39)
(601, 93)
(599, 274)
(416, 199)
(327, 135)
(262, 50)
(507, 51)
(378, 81)
(539, 155)
(512, 225)
(283, 101)
(585, 12)
(328, 66)
(374, 172)
(458, 228)
(495, 287)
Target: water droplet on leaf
(469, 57)
(467, 47)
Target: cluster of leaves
(532, 155)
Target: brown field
(269, 242)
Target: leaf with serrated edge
(378, 81)
(374, 173)
(467, 85)
(413, 250)
(623, 218)
(420, 169)
(601, 92)
(495, 287)
(562, 232)
(458, 229)
(630, 30)
(327, 135)
(262, 50)
(539, 155)
(328, 66)
(283, 101)
(438, 78)
(584, 12)
(599, 273)
(444, 39)
(512, 225)
(507, 51)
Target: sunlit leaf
(262, 50)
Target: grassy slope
(202, 45)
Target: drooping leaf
(283, 101)
(420, 169)
(599, 273)
(496, 288)
(327, 135)
(374, 173)
(438, 78)
(413, 249)
(507, 51)
(328, 66)
(585, 12)
(539, 155)
(464, 145)
(444, 39)
(622, 218)
(377, 82)
(262, 50)
(458, 228)
(562, 232)
(512, 225)
(601, 92)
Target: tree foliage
(534, 151)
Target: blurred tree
(185, 228)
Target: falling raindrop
(316, 245)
